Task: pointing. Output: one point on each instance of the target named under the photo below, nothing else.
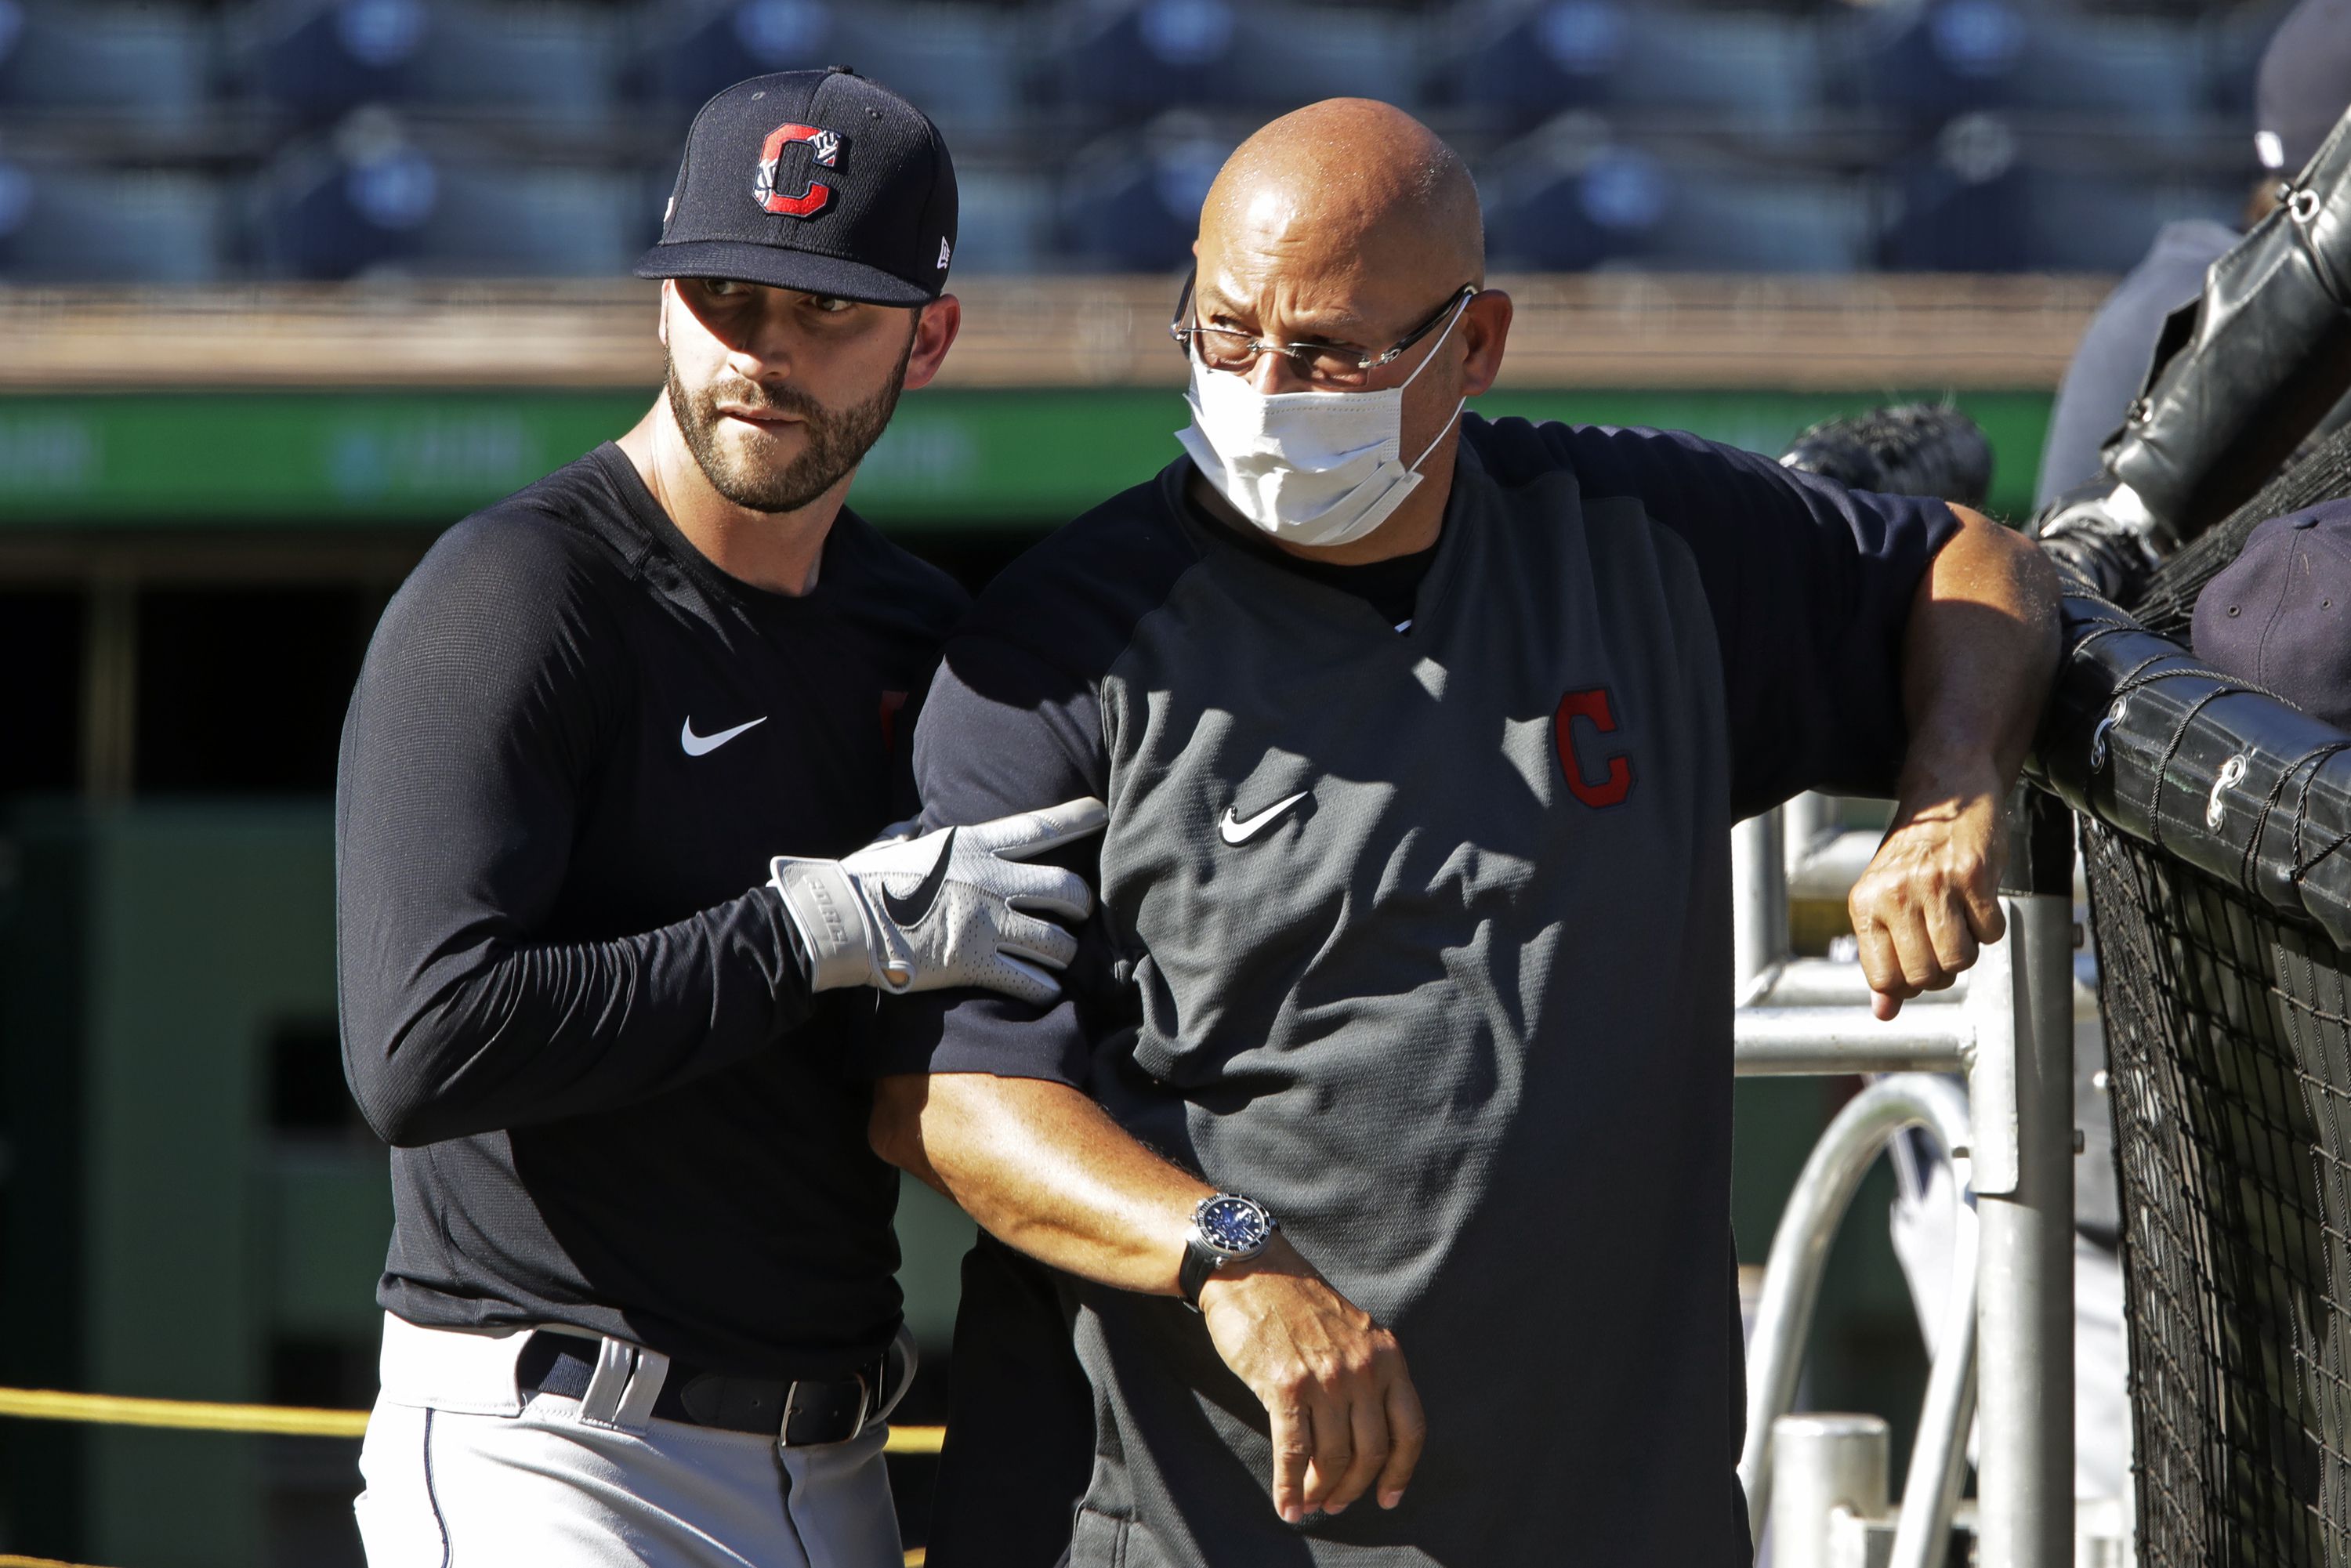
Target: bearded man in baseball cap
(602, 980)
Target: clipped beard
(836, 441)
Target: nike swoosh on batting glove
(951, 908)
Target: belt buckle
(791, 1408)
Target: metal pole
(2021, 1088)
(1828, 1042)
(1835, 983)
(1759, 899)
(1805, 822)
(1826, 1463)
(1791, 1283)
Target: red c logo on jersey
(824, 152)
(1591, 706)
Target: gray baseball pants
(462, 1472)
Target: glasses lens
(1222, 349)
(1332, 365)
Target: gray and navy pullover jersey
(1423, 939)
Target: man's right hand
(1343, 1409)
(955, 908)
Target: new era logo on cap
(817, 181)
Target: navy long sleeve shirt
(568, 997)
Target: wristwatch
(1226, 1228)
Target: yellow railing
(284, 1420)
(914, 1559)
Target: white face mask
(1310, 468)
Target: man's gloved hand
(1903, 449)
(2101, 534)
(955, 908)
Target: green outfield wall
(982, 458)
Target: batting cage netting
(2214, 821)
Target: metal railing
(2006, 1350)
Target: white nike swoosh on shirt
(1233, 830)
(703, 745)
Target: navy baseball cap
(2279, 614)
(2304, 84)
(818, 181)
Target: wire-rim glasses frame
(1326, 364)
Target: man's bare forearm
(1045, 1170)
(1976, 661)
(1977, 658)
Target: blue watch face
(1234, 1225)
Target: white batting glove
(955, 908)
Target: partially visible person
(2301, 89)
(603, 985)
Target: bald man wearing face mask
(1408, 1038)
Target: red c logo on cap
(824, 150)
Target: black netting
(2229, 1046)
(2228, 1028)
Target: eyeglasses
(1335, 365)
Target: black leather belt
(797, 1414)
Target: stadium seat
(1983, 201)
(1523, 64)
(963, 67)
(1006, 222)
(1132, 59)
(1613, 205)
(1134, 203)
(314, 61)
(1918, 63)
(71, 224)
(387, 206)
(2233, 40)
(1289, 55)
(557, 66)
(1127, 60)
(150, 61)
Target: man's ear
(1484, 327)
(936, 326)
(661, 311)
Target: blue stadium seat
(2233, 40)
(557, 66)
(1135, 206)
(1919, 63)
(1758, 71)
(1621, 206)
(964, 67)
(1983, 201)
(73, 224)
(1006, 216)
(1289, 55)
(1133, 59)
(152, 62)
(392, 207)
(314, 61)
